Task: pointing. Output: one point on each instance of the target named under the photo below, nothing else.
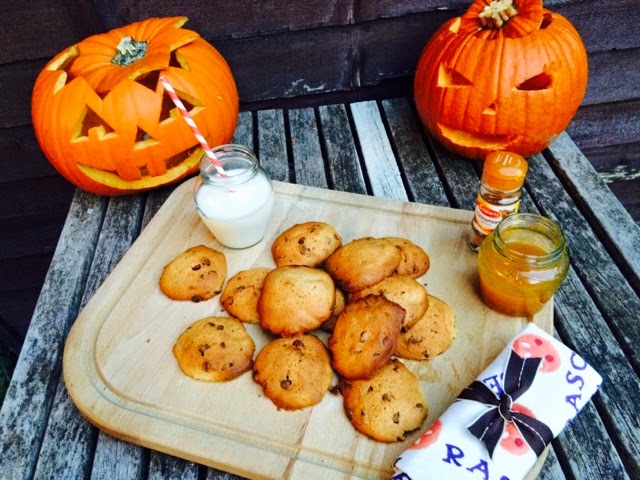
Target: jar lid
(504, 170)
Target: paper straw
(187, 118)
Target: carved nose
(491, 109)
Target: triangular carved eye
(88, 120)
(168, 105)
(141, 135)
(542, 81)
(448, 77)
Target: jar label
(487, 216)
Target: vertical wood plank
(67, 431)
(461, 178)
(413, 154)
(118, 460)
(305, 145)
(344, 166)
(26, 407)
(244, 130)
(162, 467)
(382, 168)
(272, 144)
(616, 222)
(552, 470)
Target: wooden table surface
(376, 148)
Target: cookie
(294, 372)
(387, 406)
(415, 261)
(403, 290)
(431, 335)
(240, 296)
(295, 299)
(363, 262)
(364, 336)
(338, 307)
(196, 274)
(307, 244)
(215, 349)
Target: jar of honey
(521, 264)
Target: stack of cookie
(365, 293)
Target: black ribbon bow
(518, 377)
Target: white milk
(238, 216)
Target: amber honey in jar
(521, 264)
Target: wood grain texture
(379, 159)
(413, 154)
(586, 318)
(110, 323)
(162, 467)
(607, 347)
(616, 222)
(244, 130)
(66, 429)
(24, 42)
(305, 146)
(340, 148)
(38, 368)
(613, 76)
(272, 144)
(229, 19)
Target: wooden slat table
(377, 148)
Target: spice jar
(235, 204)
(521, 264)
(498, 194)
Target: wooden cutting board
(121, 374)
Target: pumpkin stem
(128, 51)
(497, 13)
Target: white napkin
(549, 384)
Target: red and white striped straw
(187, 118)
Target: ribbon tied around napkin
(518, 376)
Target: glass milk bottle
(235, 205)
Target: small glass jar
(236, 206)
(521, 264)
(499, 193)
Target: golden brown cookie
(403, 290)
(294, 372)
(364, 336)
(415, 261)
(338, 307)
(431, 335)
(387, 406)
(196, 274)
(240, 296)
(306, 244)
(214, 349)
(295, 299)
(363, 262)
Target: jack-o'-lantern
(104, 120)
(505, 76)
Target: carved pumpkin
(503, 76)
(103, 119)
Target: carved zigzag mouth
(468, 139)
(174, 172)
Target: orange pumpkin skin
(112, 129)
(514, 88)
